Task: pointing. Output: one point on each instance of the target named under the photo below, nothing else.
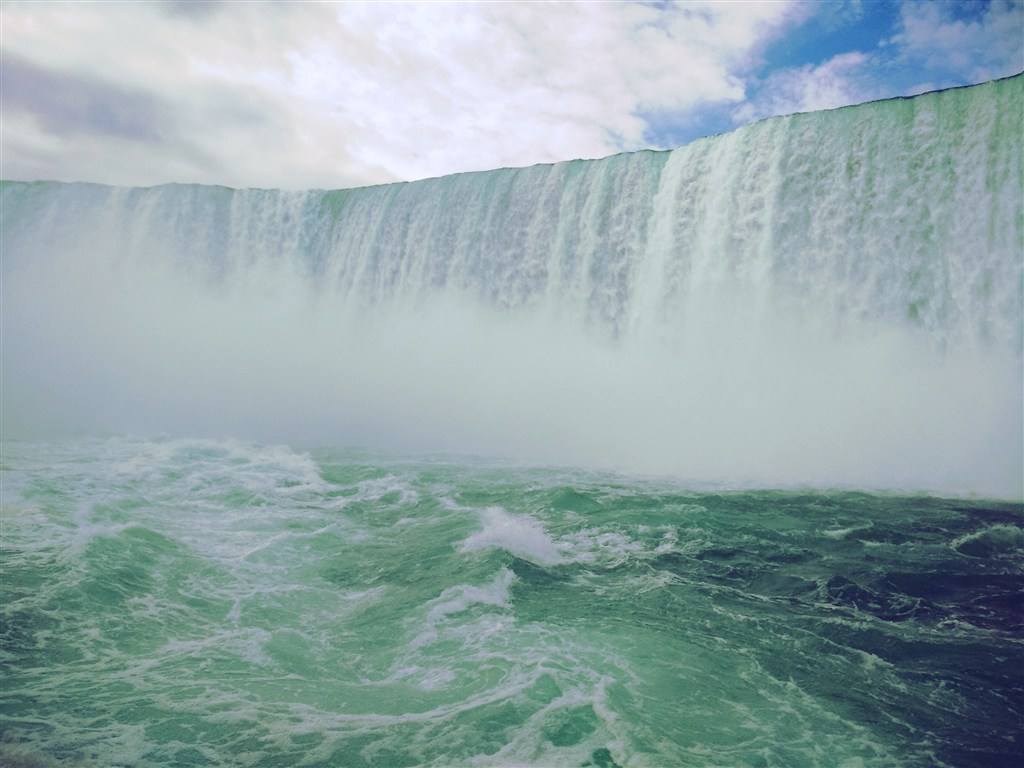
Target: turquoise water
(177, 603)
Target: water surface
(178, 602)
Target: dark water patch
(993, 601)
(350, 753)
(13, 756)
(723, 554)
(30, 637)
(842, 591)
(674, 562)
(791, 556)
(572, 500)
(963, 692)
(569, 727)
(778, 583)
(601, 758)
(536, 577)
(349, 474)
(1006, 513)
(996, 754)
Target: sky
(331, 95)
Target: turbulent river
(675, 458)
(199, 603)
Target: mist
(104, 345)
(807, 301)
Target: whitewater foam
(994, 541)
(455, 600)
(519, 534)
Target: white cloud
(837, 82)
(335, 95)
(971, 50)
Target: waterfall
(829, 298)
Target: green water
(178, 603)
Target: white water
(828, 299)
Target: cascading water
(828, 299)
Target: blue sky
(991, 38)
(342, 94)
(832, 29)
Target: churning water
(200, 603)
(829, 300)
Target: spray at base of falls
(830, 299)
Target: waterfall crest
(827, 298)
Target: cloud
(988, 46)
(931, 48)
(70, 104)
(839, 81)
(333, 95)
(296, 95)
